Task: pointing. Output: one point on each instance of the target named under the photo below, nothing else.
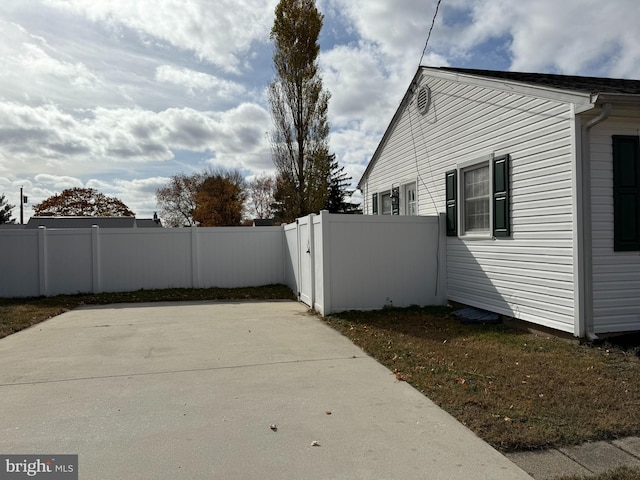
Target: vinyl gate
(366, 262)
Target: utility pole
(23, 200)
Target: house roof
(591, 85)
(264, 222)
(629, 90)
(88, 222)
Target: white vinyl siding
(530, 274)
(616, 275)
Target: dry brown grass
(514, 389)
(622, 473)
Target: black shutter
(451, 196)
(626, 193)
(374, 202)
(501, 223)
(395, 201)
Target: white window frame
(381, 196)
(408, 203)
(464, 168)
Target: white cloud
(218, 32)
(196, 82)
(58, 181)
(570, 37)
(31, 69)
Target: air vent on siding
(423, 99)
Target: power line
(433, 22)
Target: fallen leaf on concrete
(315, 444)
(274, 427)
(328, 412)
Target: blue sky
(120, 95)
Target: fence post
(43, 261)
(442, 259)
(95, 259)
(195, 272)
(325, 265)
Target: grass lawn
(623, 473)
(20, 313)
(514, 389)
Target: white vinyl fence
(332, 262)
(366, 262)
(56, 261)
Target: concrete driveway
(190, 390)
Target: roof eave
(628, 99)
(394, 120)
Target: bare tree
(177, 200)
(262, 190)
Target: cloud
(196, 82)
(582, 37)
(219, 32)
(128, 135)
(59, 182)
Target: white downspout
(587, 233)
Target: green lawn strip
(20, 313)
(514, 389)
(622, 473)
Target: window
(386, 203)
(410, 197)
(626, 193)
(476, 199)
(485, 198)
(374, 203)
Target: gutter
(586, 318)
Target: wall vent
(423, 99)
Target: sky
(119, 95)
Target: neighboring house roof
(148, 223)
(88, 222)
(264, 222)
(620, 89)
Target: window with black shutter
(501, 223)
(626, 193)
(451, 197)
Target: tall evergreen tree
(339, 182)
(299, 109)
(5, 210)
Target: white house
(539, 178)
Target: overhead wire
(433, 22)
(415, 152)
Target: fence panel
(131, 259)
(19, 263)
(69, 261)
(240, 257)
(368, 262)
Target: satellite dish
(423, 99)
